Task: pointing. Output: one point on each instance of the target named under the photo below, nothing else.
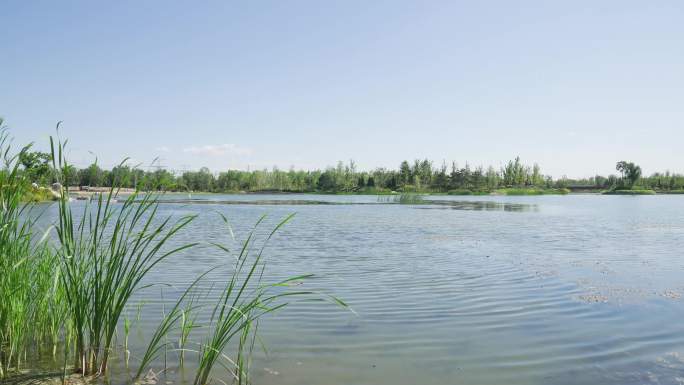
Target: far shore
(81, 193)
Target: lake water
(577, 289)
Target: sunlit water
(578, 289)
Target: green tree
(36, 165)
(630, 173)
(326, 182)
(405, 176)
(91, 176)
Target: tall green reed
(405, 198)
(245, 299)
(409, 199)
(104, 257)
(185, 306)
(74, 290)
(30, 298)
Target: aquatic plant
(242, 303)
(38, 194)
(409, 199)
(159, 339)
(188, 322)
(104, 257)
(127, 330)
(76, 289)
(30, 298)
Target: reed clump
(31, 299)
(409, 199)
(73, 288)
(104, 257)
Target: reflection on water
(577, 290)
(424, 204)
(480, 205)
(264, 202)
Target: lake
(576, 289)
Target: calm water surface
(578, 289)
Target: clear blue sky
(573, 85)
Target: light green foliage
(36, 195)
(409, 199)
(104, 257)
(31, 301)
(630, 173)
(36, 166)
(419, 176)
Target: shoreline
(79, 194)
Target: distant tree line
(418, 176)
(631, 177)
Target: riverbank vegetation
(636, 191)
(419, 176)
(531, 191)
(31, 297)
(64, 288)
(515, 178)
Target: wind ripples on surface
(562, 290)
